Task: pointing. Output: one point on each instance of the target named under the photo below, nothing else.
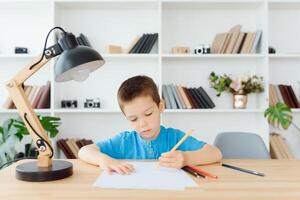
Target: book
(184, 97)
(201, 99)
(44, 101)
(235, 31)
(207, 99)
(180, 97)
(239, 43)
(218, 42)
(188, 95)
(286, 96)
(280, 99)
(153, 41)
(172, 98)
(194, 96)
(38, 97)
(177, 100)
(226, 42)
(247, 44)
(165, 97)
(140, 46)
(62, 144)
(72, 148)
(147, 43)
(256, 42)
(134, 48)
(132, 44)
(293, 96)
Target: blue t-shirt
(130, 145)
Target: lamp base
(31, 172)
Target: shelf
(295, 110)
(207, 56)
(214, 111)
(281, 56)
(66, 111)
(129, 56)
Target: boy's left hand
(174, 159)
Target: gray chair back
(241, 145)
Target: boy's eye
(148, 114)
(133, 120)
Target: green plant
(8, 138)
(14, 130)
(280, 115)
(243, 84)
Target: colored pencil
(182, 140)
(204, 173)
(191, 171)
(243, 170)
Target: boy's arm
(206, 155)
(92, 154)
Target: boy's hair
(135, 87)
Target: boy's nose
(143, 123)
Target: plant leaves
(279, 115)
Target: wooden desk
(282, 181)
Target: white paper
(147, 175)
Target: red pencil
(200, 171)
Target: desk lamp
(75, 62)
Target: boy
(139, 101)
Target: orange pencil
(200, 171)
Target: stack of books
(179, 97)
(284, 94)
(38, 96)
(143, 44)
(236, 42)
(278, 147)
(71, 146)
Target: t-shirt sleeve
(110, 146)
(190, 144)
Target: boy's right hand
(112, 165)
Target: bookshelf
(179, 23)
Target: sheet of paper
(147, 175)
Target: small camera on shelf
(202, 49)
(69, 104)
(92, 103)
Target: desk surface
(281, 181)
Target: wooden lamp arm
(31, 121)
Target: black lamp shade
(77, 63)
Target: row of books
(71, 146)
(284, 94)
(278, 147)
(143, 44)
(179, 97)
(38, 96)
(235, 41)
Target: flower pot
(240, 101)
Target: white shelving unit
(179, 23)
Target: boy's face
(144, 115)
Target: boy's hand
(174, 159)
(112, 165)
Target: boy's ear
(161, 105)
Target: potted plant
(239, 86)
(13, 130)
(280, 115)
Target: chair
(241, 145)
